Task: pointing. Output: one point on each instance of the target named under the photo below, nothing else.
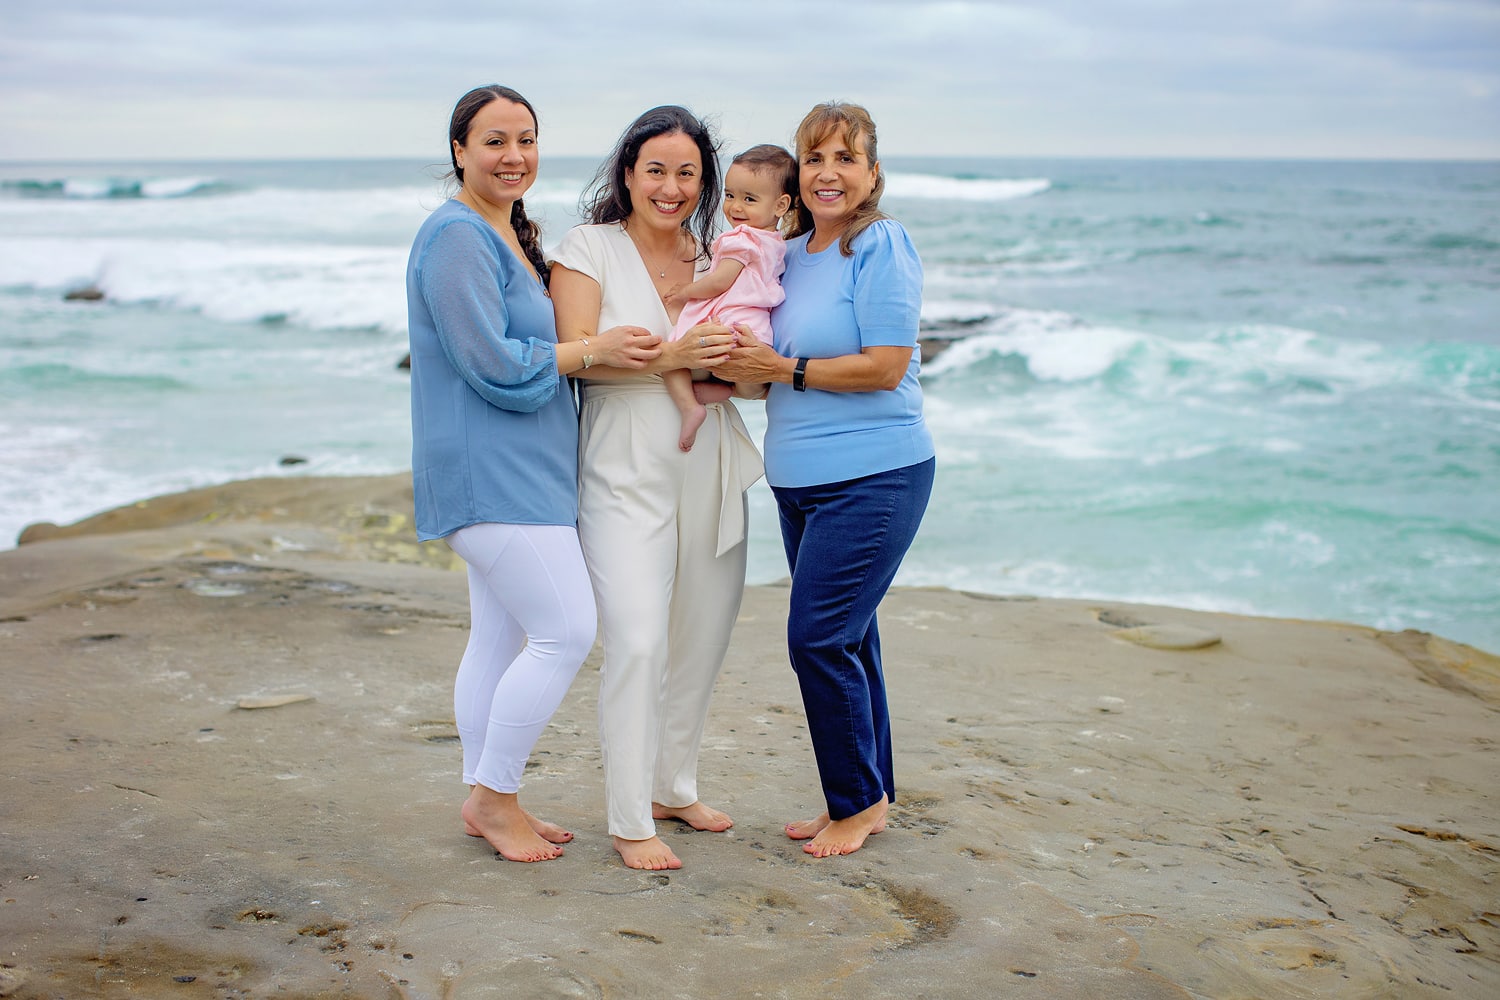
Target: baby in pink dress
(744, 282)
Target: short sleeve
(759, 250)
(738, 244)
(887, 286)
(580, 252)
(460, 278)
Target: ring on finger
(702, 342)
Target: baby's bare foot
(698, 816)
(691, 421)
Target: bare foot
(504, 825)
(649, 854)
(806, 829)
(550, 832)
(692, 419)
(698, 816)
(845, 836)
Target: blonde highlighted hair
(850, 121)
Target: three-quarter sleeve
(460, 276)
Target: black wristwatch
(799, 376)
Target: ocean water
(1258, 387)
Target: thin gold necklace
(661, 271)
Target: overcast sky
(172, 79)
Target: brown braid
(469, 105)
(530, 235)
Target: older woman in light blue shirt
(495, 457)
(848, 457)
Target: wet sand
(231, 771)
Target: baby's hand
(674, 295)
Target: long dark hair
(607, 199)
(821, 122)
(469, 105)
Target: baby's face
(753, 198)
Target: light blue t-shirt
(837, 305)
(494, 427)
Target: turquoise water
(1268, 388)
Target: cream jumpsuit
(663, 534)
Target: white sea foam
(1246, 359)
(938, 187)
(87, 188)
(1057, 347)
(382, 215)
(1298, 546)
(954, 312)
(1298, 353)
(174, 187)
(318, 286)
(233, 256)
(95, 188)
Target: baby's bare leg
(679, 382)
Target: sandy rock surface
(231, 771)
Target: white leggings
(532, 622)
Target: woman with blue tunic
(848, 457)
(495, 457)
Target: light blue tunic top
(494, 427)
(837, 305)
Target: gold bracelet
(588, 359)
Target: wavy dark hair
(821, 122)
(469, 105)
(774, 161)
(607, 199)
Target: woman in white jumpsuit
(663, 531)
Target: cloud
(166, 78)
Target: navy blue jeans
(844, 542)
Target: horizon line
(1144, 157)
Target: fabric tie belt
(739, 460)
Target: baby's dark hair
(769, 158)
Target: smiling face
(836, 177)
(664, 182)
(499, 155)
(754, 197)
